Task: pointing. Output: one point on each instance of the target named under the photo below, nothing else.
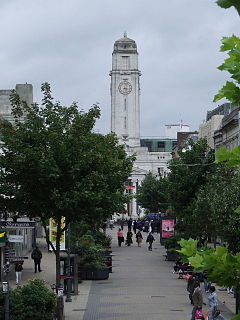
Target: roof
(125, 39)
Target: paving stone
(141, 287)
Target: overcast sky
(69, 44)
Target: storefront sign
(15, 238)
(167, 228)
(16, 259)
(18, 224)
(53, 233)
(3, 236)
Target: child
(18, 271)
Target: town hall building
(152, 155)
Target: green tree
(55, 166)
(215, 206)
(223, 267)
(186, 177)
(231, 90)
(153, 193)
(229, 3)
(31, 301)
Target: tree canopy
(215, 206)
(229, 3)
(153, 193)
(231, 90)
(53, 165)
(187, 175)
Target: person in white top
(213, 303)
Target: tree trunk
(49, 243)
(57, 252)
(237, 297)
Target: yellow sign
(3, 236)
(53, 233)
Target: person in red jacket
(120, 237)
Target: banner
(53, 233)
(168, 228)
(15, 238)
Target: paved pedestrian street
(141, 287)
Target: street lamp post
(5, 290)
(68, 297)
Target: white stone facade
(171, 130)
(228, 134)
(125, 91)
(25, 92)
(125, 118)
(154, 162)
(206, 130)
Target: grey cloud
(69, 44)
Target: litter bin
(73, 273)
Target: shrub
(32, 301)
(172, 242)
(91, 257)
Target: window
(126, 62)
(125, 104)
(148, 144)
(161, 145)
(129, 182)
(161, 171)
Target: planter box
(93, 274)
(82, 274)
(172, 255)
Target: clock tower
(125, 92)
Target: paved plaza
(142, 286)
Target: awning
(3, 236)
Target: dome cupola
(125, 45)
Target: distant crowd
(134, 230)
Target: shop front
(3, 238)
(21, 238)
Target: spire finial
(125, 34)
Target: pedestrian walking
(111, 224)
(230, 290)
(129, 223)
(150, 239)
(129, 238)
(139, 238)
(122, 224)
(146, 226)
(18, 271)
(213, 303)
(104, 227)
(120, 237)
(37, 257)
(197, 299)
(135, 226)
(207, 283)
(191, 285)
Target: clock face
(125, 87)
